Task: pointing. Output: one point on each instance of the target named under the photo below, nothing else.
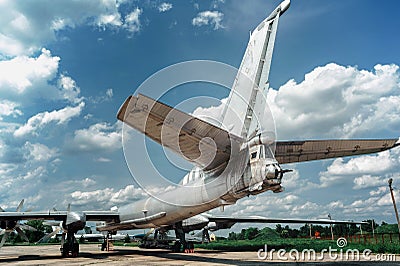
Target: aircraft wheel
(63, 254)
(75, 251)
(191, 247)
(65, 251)
(177, 247)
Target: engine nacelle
(74, 222)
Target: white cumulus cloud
(379, 191)
(23, 79)
(362, 164)
(102, 160)
(24, 28)
(40, 120)
(98, 137)
(109, 93)
(360, 168)
(340, 101)
(213, 18)
(366, 181)
(105, 20)
(164, 7)
(39, 152)
(132, 21)
(8, 108)
(23, 73)
(69, 90)
(107, 197)
(103, 97)
(211, 114)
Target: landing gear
(188, 247)
(71, 247)
(107, 244)
(205, 237)
(177, 246)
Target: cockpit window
(254, 155)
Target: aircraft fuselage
(209, 191)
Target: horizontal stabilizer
(196, 140)
(308, 150)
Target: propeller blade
(1, 209)
(63, 238)
(27, 227)
(20, 205)
(69, 207)
(149, 233)
(48, 236)
(21, 234)
(3, 240)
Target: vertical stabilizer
(252, 79)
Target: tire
(76, 247)
(65, 251)
(177, 247)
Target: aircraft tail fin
(246, 98)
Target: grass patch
(133, 244)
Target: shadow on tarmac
(194, 257)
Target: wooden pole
(373, 229)
(330, 218)
(394, 203)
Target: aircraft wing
(260, 219)
(50, 215)
(60, 215)
(308, 150)
(180, 132)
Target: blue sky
(66, 68)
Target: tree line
(304, 231)
(249, 233)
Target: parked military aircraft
(234, 160)
(159, 238)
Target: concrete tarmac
(90, 254)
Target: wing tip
(122, 109)
(397, 143)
